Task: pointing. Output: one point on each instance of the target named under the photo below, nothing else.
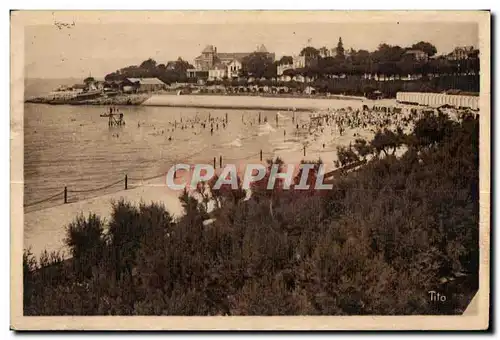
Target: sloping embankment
(121, 99)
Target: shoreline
(223, 101)
(132, 99)
(48, 225)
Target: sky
(98, 49)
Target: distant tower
(208, 58)
(261, 49)
(340, 49)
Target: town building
(233, 68)
(171, 65)
(212, 61)
(305, 61)
(197, 74)
(282, 68)
(143, 84)
(417, 55)
(300, 61)
(217, 72)
(461, 53)
(325, 52)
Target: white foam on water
(235, 143)
(287, 146)
(282, 116)
(265, 129)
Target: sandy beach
(45, 229)
(261, 102)
(48, 225)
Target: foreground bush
(377, 243)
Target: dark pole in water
(220, 161)
(304, 150)
(259, 117)
(215, 161)
(126, 182)
(226, 118)
(261, 155)
(65, 195)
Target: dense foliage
(386, 60)
(377, 243)
(174, 71)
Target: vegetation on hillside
(172, 72)
(386, 60)
(377, 243)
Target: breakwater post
(304, 150)
(126, 182)
(65, 195)
(261, 155)
(220, 161)
(215, 162)
(259, 118)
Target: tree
(149, 64)
(388, 53)
(257, 64)
(361, 57)
(425, 47)
(340, 50)
(432, 129)
(286, 60)
(362, 147)
(345, 156)
(84, 238)
(309, 51)
(181, 66)
(385, 140)
(89, 80)
(271, 70)
(323, 51)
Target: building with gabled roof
(261, 49)
(145, 84)
(219, 71)
(211, 62)
(210, 56)
(417, 55)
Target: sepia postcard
(250, 170)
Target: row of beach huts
(438, 99)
